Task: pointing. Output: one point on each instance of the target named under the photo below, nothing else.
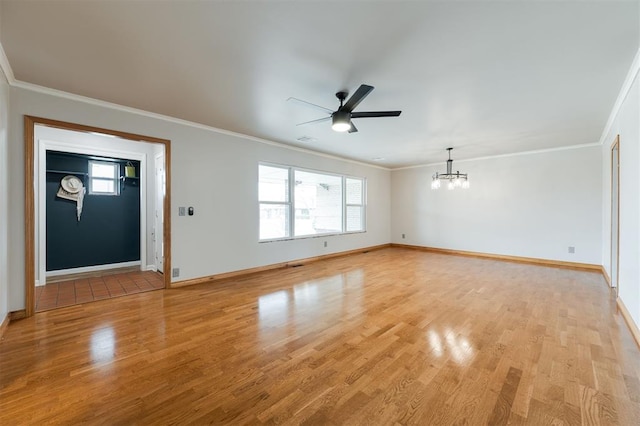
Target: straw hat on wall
(71, 188)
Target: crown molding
(513, 154)
(104, 104)
(6, 67)
(8, 72)
(110, 105)
(624, 91)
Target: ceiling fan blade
(309, 104)
(375, 114)
(353, 128)
(357, 97)
(315, 121)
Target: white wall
(626, 123)
(215, 172)
(530, 205)
(4, 200)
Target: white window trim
(362, 206)
(115, 179)
(288, 202)
(291, 203)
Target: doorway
(92, 234)
(33, 168)
(615, 213)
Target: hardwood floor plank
(393, 336)
(502, 409)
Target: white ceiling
(485, 77)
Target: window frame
(324, 234)
(115, 179)
(288, 202)
(362, 205)
(291, 203)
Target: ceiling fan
(341, 118)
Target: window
(275, 207)
(354, 204)
(104, 178)
(316, 204)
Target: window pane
(273, 184)
(354, 219)
(103, 170)
(354, 191)
(274, 221)
(99, 185)
(318, 203)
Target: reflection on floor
(74, 292)
(390, 337)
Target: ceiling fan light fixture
(341, 121)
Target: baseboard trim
(4, 325)
(89, 269)
(518, 259)
(93, 274)
(633, 327)
(11, 316)
(249, 271)
(16, 315)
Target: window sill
(306, 237)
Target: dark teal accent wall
(109, 228)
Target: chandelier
(456, 180)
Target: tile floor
(74, 292)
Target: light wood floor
(388, 337)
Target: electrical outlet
(325, 243)
(572, 249)
(175, 272)
(403, 236)
(182, 211)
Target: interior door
(158, 228)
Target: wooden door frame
(30, 123)
(615, 145)
(155, 196)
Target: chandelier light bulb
(454, 180)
